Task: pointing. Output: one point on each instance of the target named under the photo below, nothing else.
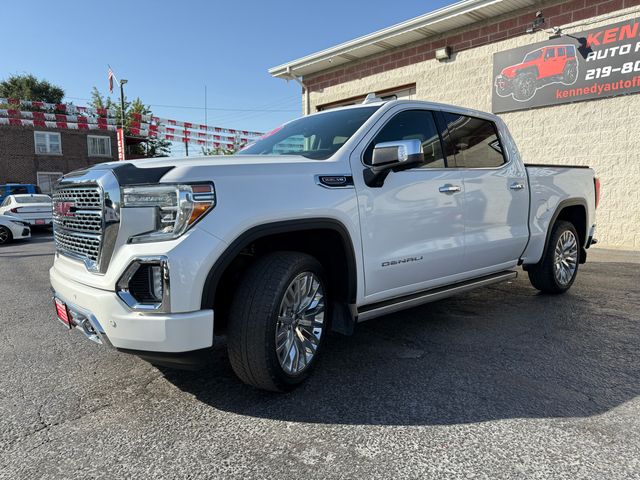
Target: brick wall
(483, 33)
(600, 133)
(19, 161)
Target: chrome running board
(386, 307)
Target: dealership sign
(599, 63)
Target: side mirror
(388, 156)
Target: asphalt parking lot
(499, 383)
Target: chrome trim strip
(122, 286)
(435, 294)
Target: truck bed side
(553, 188)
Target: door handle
(448, 188)
(517, 186)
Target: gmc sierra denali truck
(329, 220)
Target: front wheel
(525, 86)
(278, 320)
(557, 270)
(5, 235)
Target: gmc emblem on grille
(63, 209)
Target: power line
(192, 107)
(252, 110)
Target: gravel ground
(499, 383)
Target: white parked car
(36, 209)
(11, 228)
(333, 219)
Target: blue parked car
(17, 188)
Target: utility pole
(206, 129)
(186, 146)
(122, 82)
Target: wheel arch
(573, 210)
(239, 251)
(530, 69)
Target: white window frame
(102, 137)
(49, 174)
(47, 142)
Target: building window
(99, 146)
(406, 92)
(48, 143)
(46, 180)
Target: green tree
(226, 150)
(152, 147)
(28, 87)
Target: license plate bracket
(62, 313)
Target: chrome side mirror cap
(389, 155)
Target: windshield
(32, 199)
(531, 56)
(317, 136)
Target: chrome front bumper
(84, 321)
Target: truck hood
(189, 169)
(217, 160)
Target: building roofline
(411, 30)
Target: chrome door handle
(517, 186)
(448, 188)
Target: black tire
(503, 91)
(5, 235)
(525, 86)
(570, 73)
(542, 275)
(253, 320)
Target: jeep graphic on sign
(541, 67)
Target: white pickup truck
(330, 220)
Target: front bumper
(503, 83)
(19, 231)
(115, 324)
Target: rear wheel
(570, 73)
(5, 235)
(278, 320)
(557, 270)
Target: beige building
(567, 121)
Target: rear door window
(473, 142)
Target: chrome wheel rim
(565, 259)
(300, 323)
(4, 235)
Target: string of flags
(75, 117)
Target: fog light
(145, 284)
(156, 282)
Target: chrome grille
(78, 221)
(83, 197)
(87, 246)
(82, 221)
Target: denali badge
(402, 260)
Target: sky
(169, 51)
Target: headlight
(177, 207)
